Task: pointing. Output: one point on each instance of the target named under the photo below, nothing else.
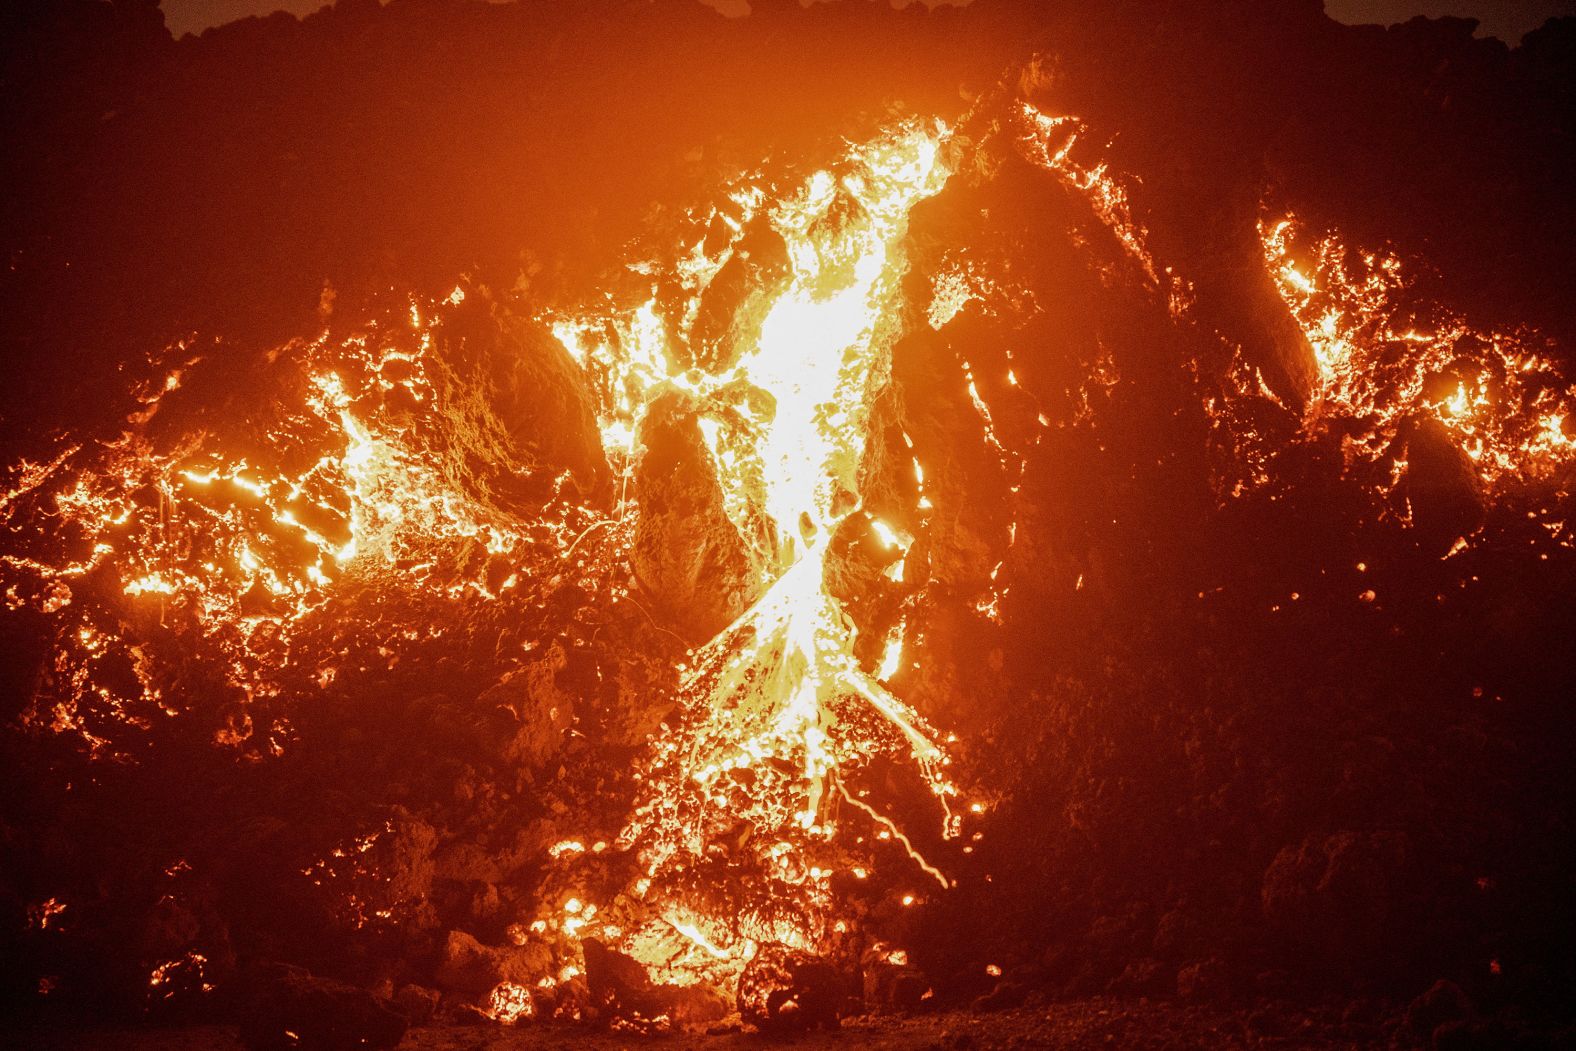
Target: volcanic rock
(1479, 1035)
(516, 404)
(1144, 976)
(286, 1007)
(1004, 997)
(534, 711)
(417, 1003)
(785, 990)
(1444, 1002)
(1442, 487)
(1177, 934)
(894, 987)
(688, 555)
(1333, 894)
(405, 861)
(471, 969)
(1252, 310)
(620, 988)
(730, 311)
(1205, 980)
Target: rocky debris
(629, 718)
(1335, 894)
(1275, 1019)
(1480, 1035)
(532, 713)
(1177, 934)
(516, 409)
(1239, 295)
(1006, 995)
(1206, 980)
(1442, 487)
(406, 868)
(1086, 1025)
(417, 1003)
(286, 1007)
(891, 987)
(962, 544)
(472, 970)
(1145, 976)
(784, 990)
(619, 988)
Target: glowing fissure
(241, 542)
(776, 713)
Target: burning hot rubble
(1385, 365)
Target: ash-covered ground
(1244, 607)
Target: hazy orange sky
(1506, 19)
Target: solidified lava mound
(608, 512)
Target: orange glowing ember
(509, 1003)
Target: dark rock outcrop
(688, 555)
(286, 1007)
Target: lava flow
(751, 804)
(235, 539)
(744, 797)
(944, 521)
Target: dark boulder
(688, 555)
(1334, 896)
(1444, 1002)
(529, 713)
(785, 990)
(619, 987)
(1442, 487)
(473, 970)
(286, 1007)
(1204, 980)
(892, 987)
(1004, 997)
(1144, 976)
(417, 1003)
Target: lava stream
(777, 701)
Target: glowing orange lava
(1384, 363)
(777, 715)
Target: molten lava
(777, 716)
